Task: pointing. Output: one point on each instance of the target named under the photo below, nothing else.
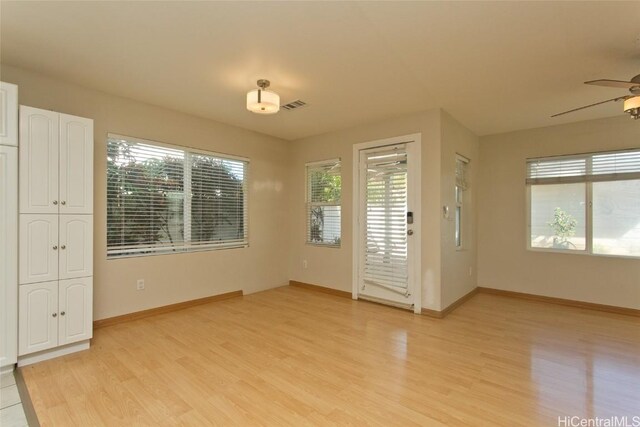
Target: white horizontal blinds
(616, 166)
(145, 196)
(324, 195)
(608, 166)
(461, 172)
(218, 207)
(385, 261)
(168, 199)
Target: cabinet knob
(62, 313)
(55, 314)
(55, 247)
(63, 203)
(63, 247)
(55, 202)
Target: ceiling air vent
(294, 104)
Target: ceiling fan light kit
(632, 107)
(262, 101)
(631, 102)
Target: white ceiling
(495, 66)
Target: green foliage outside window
(145, 199)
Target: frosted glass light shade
(263, 101)
(632, 103)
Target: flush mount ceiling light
(262, 101)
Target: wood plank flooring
(291, 356)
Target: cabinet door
(76, 246)
(76, 165)
(76, 310)
(38, 248)
(8, 255)
(38, 313)
(8, 114)
(38, 160)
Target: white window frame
(309, 205)
(187, 246)
(460, 203)
(588, 250)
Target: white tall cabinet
(55, 233)
(8, 225)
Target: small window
(324, 195)
(586, 203)
(462, 183)
(166, 199)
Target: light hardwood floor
(296, 357)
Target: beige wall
(503, 260)
(277, 209)
(458, 265)
(179, 277)
(332, 267)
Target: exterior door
(76, 165)
(38, 325)
(38, 161)
(388, 216)
(38, 248)
(75, 246)
(76, 310)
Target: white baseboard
(30, 359)
(8, 368)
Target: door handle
(55, 315)
(410, 232)
(55, 202)
(63, 203)
(63, 247)
(55, 247)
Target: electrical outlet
(140, 285)
(305, 264)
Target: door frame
(414, 169)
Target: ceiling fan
(631, 102)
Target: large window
(586, 203)
(164, 199)
(462, 183)
(324, 192)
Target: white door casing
(75, 310)
(386, 259)
(38, 248)
(38, 160)
(38, 318)
(76, 165)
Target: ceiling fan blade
(612, 83)
(620, 98)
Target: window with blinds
(164, 199)
(462, 165)
(587, 202)
(324, 195)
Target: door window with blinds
(166, 199)
(385, 210)
(587, 203)
(324, 195)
